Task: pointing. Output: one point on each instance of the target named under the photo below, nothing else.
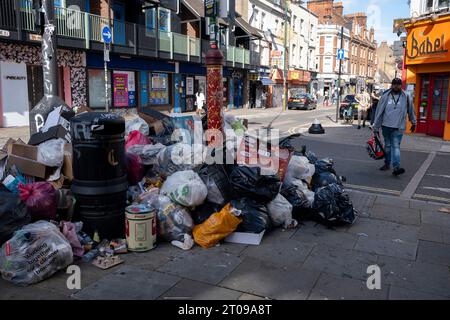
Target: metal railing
(27, 16)
(96, 24)
(8, 15)
(71, 23)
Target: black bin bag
(254, 214)
(13, 215)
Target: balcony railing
(86, 27)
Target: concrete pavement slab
(374, 228)
(396, 214)
(10, 291)
(429, 232)
(392, 202)
(209, 266)
(328, 237)
(436, 218)
(393, 248)
(362, 202)
(266, 280)
(194, 290)
(424, 277)
(432, 252)
(425, 205)
(247, 296)
(341, 262)
(331, 287)
(286, 253)
(129, 283)
(396, 293)
(445, 235)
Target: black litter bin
(99, 171)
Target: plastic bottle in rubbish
(88, 257)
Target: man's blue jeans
(392, 140)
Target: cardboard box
(156, 126)
(24, 157)
(67, 169)
(245, 238)
(53, 133)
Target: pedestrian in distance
(391, 113)
(363, 100)
(199, 101)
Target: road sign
(210, 8)
(341, 54)
(107, 34)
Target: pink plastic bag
(135, 168)
(41, 200)
(136, 137)
(69, 232)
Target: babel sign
(428, 43)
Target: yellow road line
(353, 186)
(428, 197)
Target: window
(159, 89)
(294, 47)
(97, 88)
(255, 15)
(328, 64)
(294, 22)
(163, 19)
(302, 22)
(428, 5)
(263, 17)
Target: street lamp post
(339, 78)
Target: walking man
(363, 105)
(391, 118)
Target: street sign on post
(341, 54)
(106, 34)
(210, 8)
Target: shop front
(132, 83)
(428, 75)
(298, 81)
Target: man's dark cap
(397, 81)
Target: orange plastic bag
(217, 227)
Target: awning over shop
(197, 7)
(247, 28)
(267, 81)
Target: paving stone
(210, 266)
(445, 235)
(280, 253)
(247, 296)
(436, 218)
(394, 214)
(429, 232)
(432, 252)
(331, 287)
(194, 290)
(328, 237)
(279, 234)
(341, 262)
(9, 291)
(424, 277)
(129, 283)
(152, 259)
(424, 205)
(396, 293)
(362, 202)
(392, 202)
(263, 279)
(400, 249)
(385, 230)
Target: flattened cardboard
(52, 133)
(245, 238)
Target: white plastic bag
(299, 168)
(51, 152)
(185, 188)
(280, 211)
(138, 124)
(34, 253)
(174, 221)
(150, 154)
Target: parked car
(302, 101)
(349, 99)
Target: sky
(381, 14)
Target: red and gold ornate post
(214, 60)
